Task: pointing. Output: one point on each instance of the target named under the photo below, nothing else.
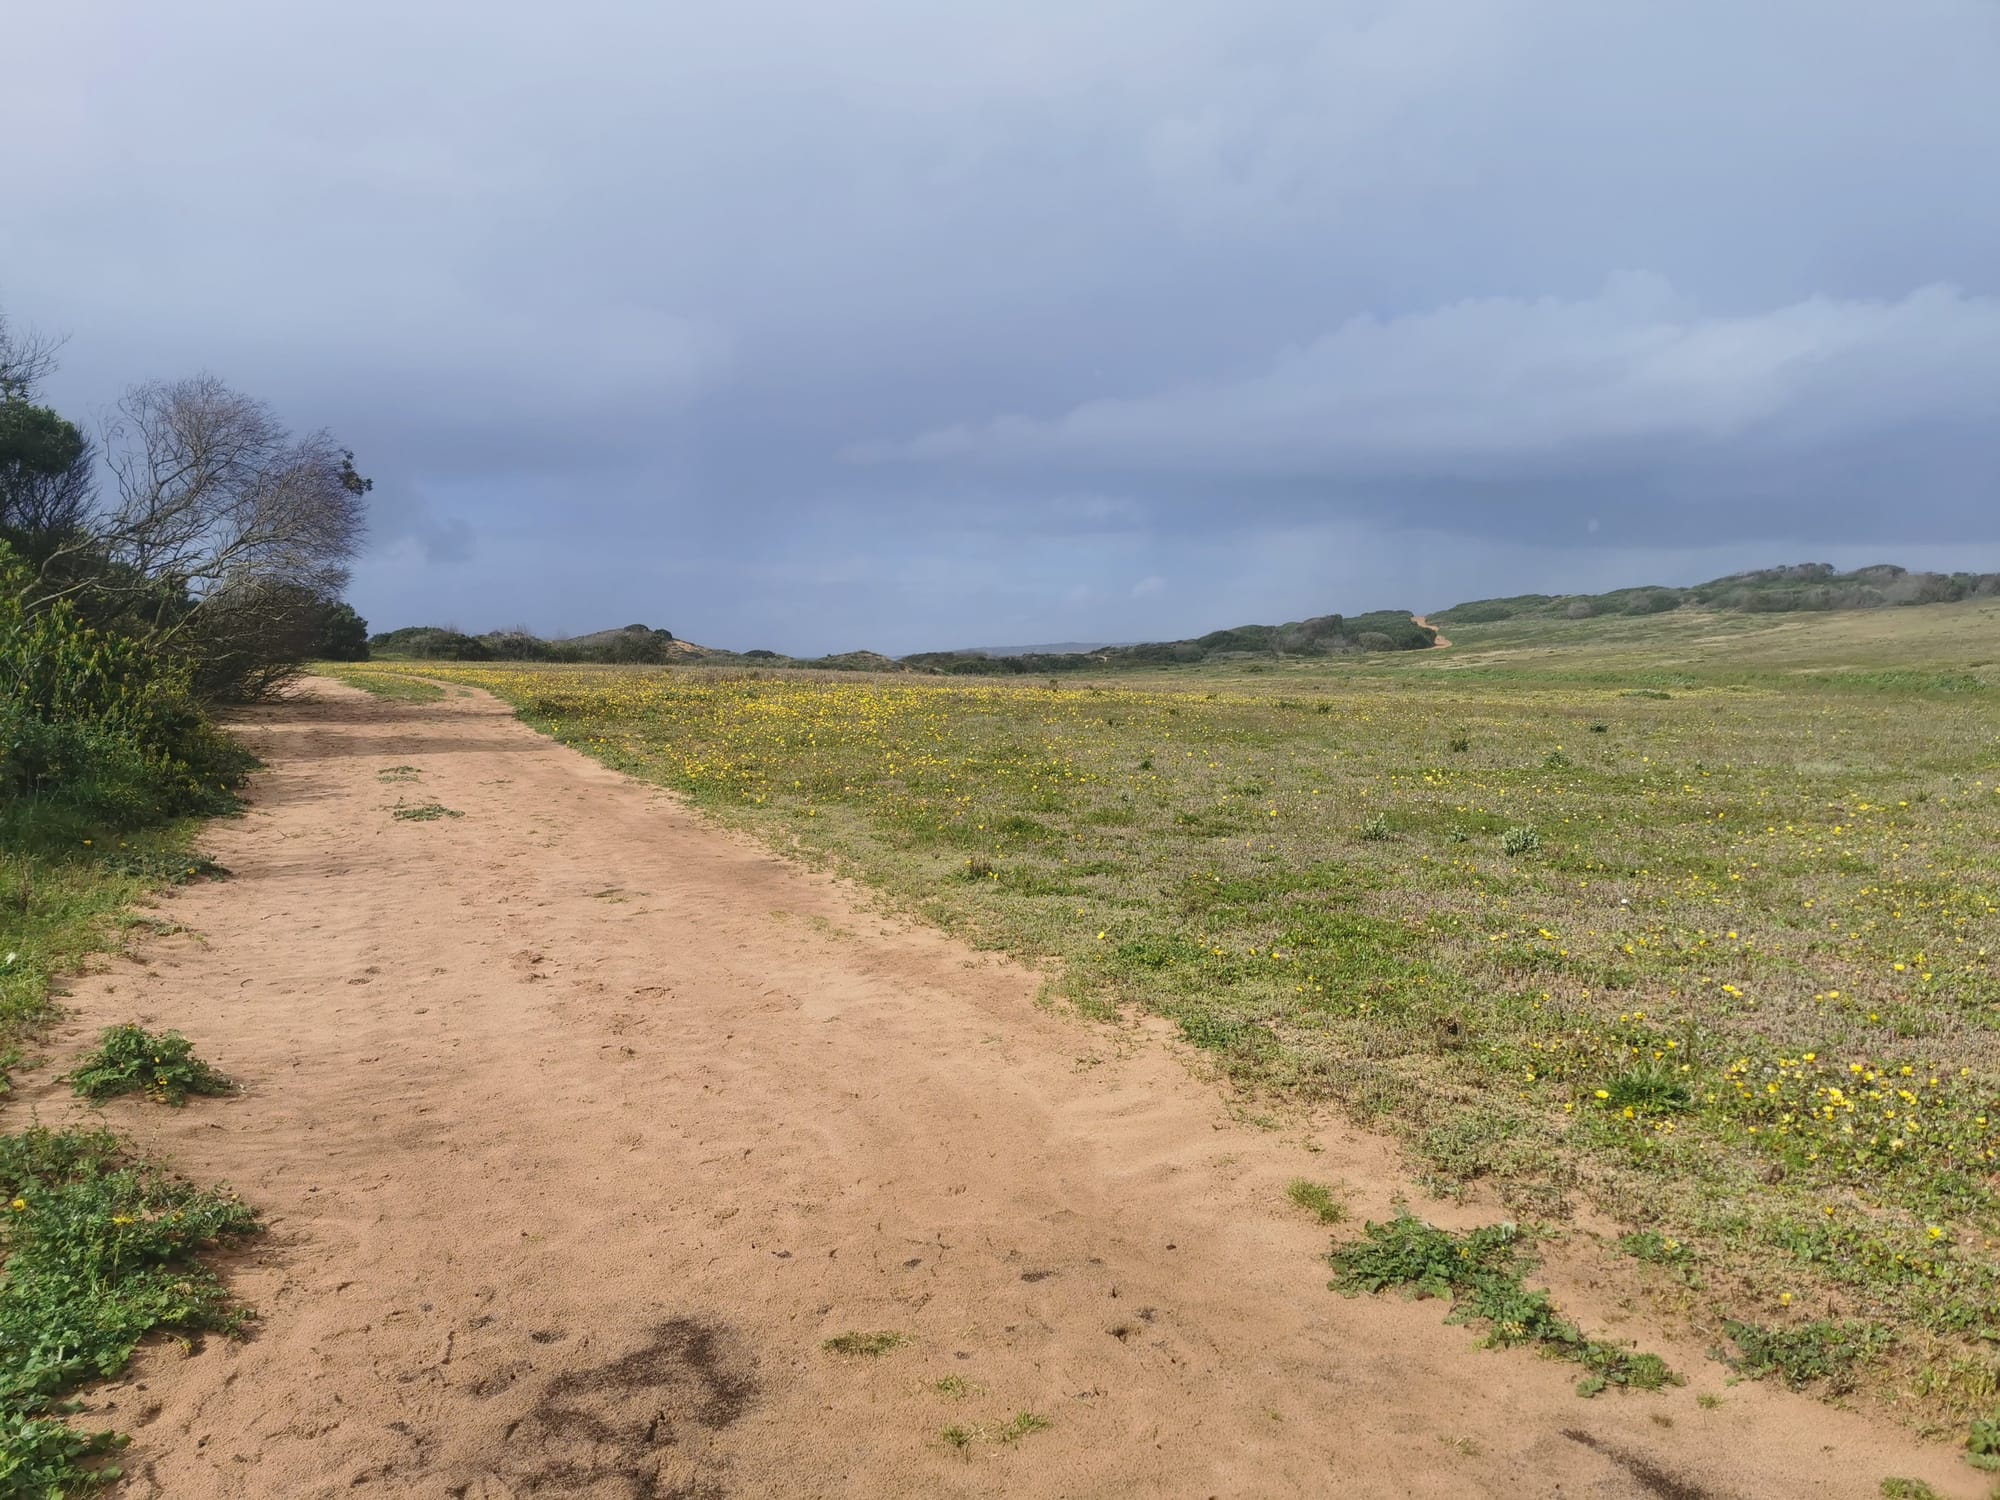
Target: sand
(579, 1125)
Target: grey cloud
(607, 295)
(1509, 385)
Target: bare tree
(223, 536)
(213, 494)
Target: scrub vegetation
(1690, 917)
(189, 555)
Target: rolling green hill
(1815, 587)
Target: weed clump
(1522, 840)
(1019, 1426)
(99, 1253)
(1982, 1443)
(422, 812)
(1375, 830)
(1481, 1273)
(1317, 1199)
(865, 1345)
(131, 1060)
(1810, 1353)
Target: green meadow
(1687, 917)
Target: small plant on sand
(959, 1436)
(131, 1060)
(865, 1345)
(1019, 1426)
(100, 1251)
(1481, 1273)
(954, 1387)
(1982, 1443)
(398, 773)
(1810, 1353)
(423, 812)
(1908, 1489)
(1317, 1199)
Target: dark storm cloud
(900, 324)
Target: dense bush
(94, 727)
(632, 645)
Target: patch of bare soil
(581, 1125)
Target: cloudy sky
(901, 324)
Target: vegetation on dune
(1810, 587)
(192, 556)
(1325, 635)
(634, 644)
(1738, 986)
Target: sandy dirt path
(1439, 643)
(580, 1124)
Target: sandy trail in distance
(580, 1124)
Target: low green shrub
(95, 730)
(100, 1251)
(131, 1060)
(1481, 1273)
(1816, 1353)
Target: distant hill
(1323, 635)
(1801, 587)
(632, 643)
(1054, 648)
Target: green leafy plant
(1481, 1273)
(1522, 840)
(129, 1059)
(1375, 830)
(100, 1252)
(1649, 1088)
(1659, 1249)
(1982, 1443)
(1908, 1489)
(1807, 1353)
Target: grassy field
(62, 904)
(1691, 918)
